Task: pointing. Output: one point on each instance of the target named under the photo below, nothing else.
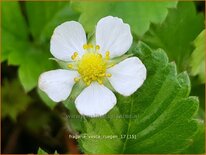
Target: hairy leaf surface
(155, 119)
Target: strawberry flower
(95, 65)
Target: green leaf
(138, 15)
(158, 118)
(176, 33)
(45, 16)
(14, 99)
(13, 27)
(41, 151)
(31, 58)
(32, 61)
(198, 143)
(197, 61)
(199, 91)
(31, 55)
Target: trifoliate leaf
(14, 99)
(45, 16)
(158, 118)
(31, 56)
(176, 34)
(138, 15)
(197, 62)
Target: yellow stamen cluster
(92, 65)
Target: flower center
(92, 65)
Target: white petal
(57, 84)
(67, 38)
(95, 100)
(127, 76)
(113, 35)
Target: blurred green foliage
(197, 62)
(137, 15)
(175, 35)
(26, 43)
(40, 151)
(14, 99)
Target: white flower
(92, 64)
